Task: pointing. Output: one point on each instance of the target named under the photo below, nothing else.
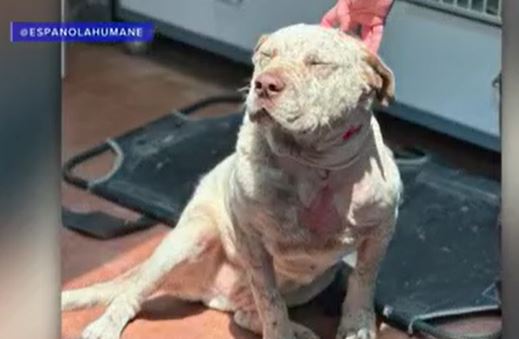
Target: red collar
(351, 132)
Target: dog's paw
(357, 325)
(363, 333)
(70, 300)
(102, 328)
(302, 332)
(66, 301)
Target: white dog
(310, 181)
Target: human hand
(370, 15)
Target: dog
(310, 181)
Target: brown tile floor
(107, 92)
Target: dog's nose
(268, 85)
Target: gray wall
(444, 64)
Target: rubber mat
(158, 165)
(443, 260)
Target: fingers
(339, 15)
(330, 18)
(372, 36)
(343, 15)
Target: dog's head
(308, 79)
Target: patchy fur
(266, 228)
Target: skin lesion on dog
(265, 229)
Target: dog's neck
(336, 151)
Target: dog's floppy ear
(380, 78)
(260, 42)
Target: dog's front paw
(357, 325)
(102, 328)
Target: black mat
(155, 170)
(443, 260)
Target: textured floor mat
(444, 258)
(158, 165)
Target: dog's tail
(96, 295)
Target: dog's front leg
(270, 305)
(358, 315)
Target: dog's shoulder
(376, 194)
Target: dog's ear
(380, 78)
(260, 42)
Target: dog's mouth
(261, 115)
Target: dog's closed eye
(313, 60)
(264, 57)
(266, 54)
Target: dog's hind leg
(195, 232)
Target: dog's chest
(309, 203)
(317, 210)
(318, 205)
(310, 231)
